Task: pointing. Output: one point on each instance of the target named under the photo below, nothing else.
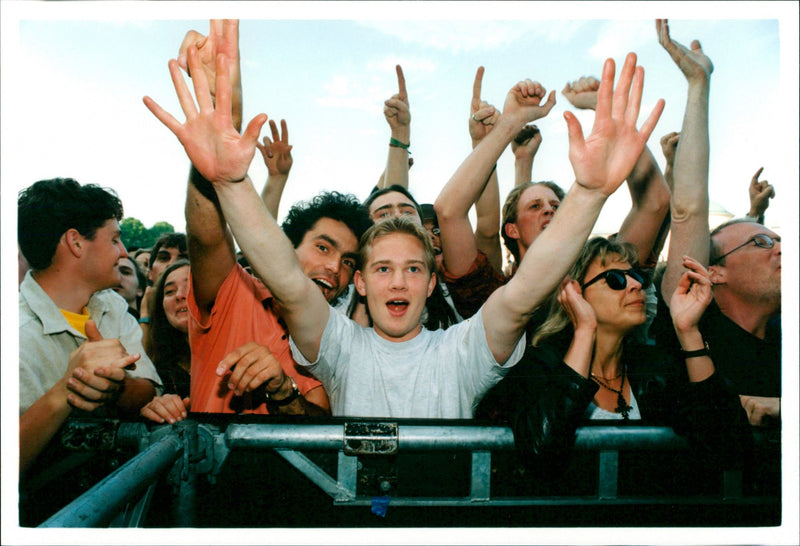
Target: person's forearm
(579, 354)
(649, 205)
(273, 191)
(487, 227)
(268, 250)
(689, 202)
(699, 368)
(40, 422)
(397, 159)
(523, 169)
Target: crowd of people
(392, 308)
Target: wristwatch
(285, 401)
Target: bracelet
(699, 352)
(394, 143)
(144, 320)
(284, 401)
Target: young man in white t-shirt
(395, 276)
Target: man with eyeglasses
(741, 327)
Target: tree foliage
(135, 235)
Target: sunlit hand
(760, 194)
(695, 65)
(214, 147)
(524, 102)
(168, 408)
(482, 115)
(602, 161)
(691, 297)
(669, 143)
(582, 93)
(396, 109)
(277, 152)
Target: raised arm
(277, 154)
(761, 191)
(469, 181)
(398, 116)
(648, 190)
(689, 202)
(600, 162)
(524, 146)
(222, 156)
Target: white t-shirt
(438, 374)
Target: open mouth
(323, 284)
(397, 307)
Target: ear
(358, 281)
(431, 284)
(74, 242)
(718, 274)
(511, 230)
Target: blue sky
(74, 74)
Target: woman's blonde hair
(597, 247)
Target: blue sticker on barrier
(380, 505)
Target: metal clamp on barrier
(370, 438)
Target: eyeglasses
(617, 279)
(761, 240)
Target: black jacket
(544, 401)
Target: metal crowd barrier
(192, 448)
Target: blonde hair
(598, 247)
(392, 225)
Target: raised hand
(760, 194)
(603, 160)
(524, 102)
(691, 297)
(527, 142)
(580, 312)
(669, 143)
(96, 370)
(213, 145)
(760, 407)
(582, 93)
(277, 152)
(396, 109)
(251, 366)
(168, 408)
(222, 38)
(695, 65)
(483, 116)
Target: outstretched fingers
(401, 84)
(650, 123)
(622, 92)
(200, 82)
(224, 90)
(606, 90)
(250, 135)
(163, 116)
(476, 90)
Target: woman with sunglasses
(584, 365)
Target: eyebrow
(403, 204)
(388, 262)
(333, 242)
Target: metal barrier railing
(192, 448)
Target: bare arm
(277, 154)
(222, 156)
(525, 145)
(689, 202)
(600, 162)
(761, 191)
(398, 116)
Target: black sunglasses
(617, 279)
(760, 240)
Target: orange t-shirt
(242, 312)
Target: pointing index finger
(401, 83)
(476, 89)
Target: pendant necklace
(622, 405)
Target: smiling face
(396, 281)
(751, 273)
(393, 204)
(176, 288)
(535, 210)
(616, 310)
(328, 255)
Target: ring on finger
(474, 118)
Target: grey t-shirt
(437, 374)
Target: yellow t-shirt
(77, 321)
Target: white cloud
(617, 38)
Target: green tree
(135, 235)
(157, 230)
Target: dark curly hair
(48, 208)
(334, 205)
